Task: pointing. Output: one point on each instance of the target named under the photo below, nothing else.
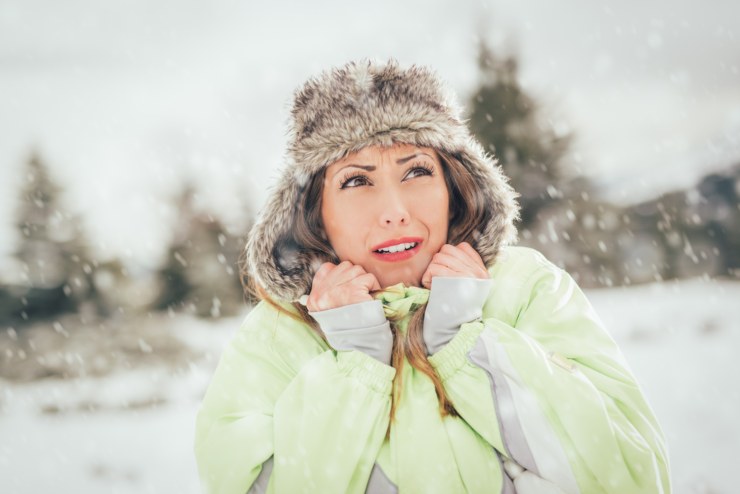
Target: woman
(401, 344)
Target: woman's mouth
(399, 251)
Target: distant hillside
(680, 234)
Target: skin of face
(382, 194)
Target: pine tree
(200, 273)
(507, 122)
(55, 268)
(560, 214)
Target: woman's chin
(385, 282)
(409, 275)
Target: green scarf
(400, 300)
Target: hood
(343, 110)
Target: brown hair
(467, 214)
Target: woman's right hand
(335, 285)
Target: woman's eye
(355, 181)
(419, 171)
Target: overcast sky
(126, 101)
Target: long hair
(467, 214)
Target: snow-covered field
(131, 432)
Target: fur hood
(343, 110)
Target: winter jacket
(546, 403)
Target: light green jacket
(545, 398)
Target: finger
(343, 266)
(426, 283)
(426, 278)
(346, 276)
(453, 263)
(470, 258)
(479, 267)
(464, 252)
(439, 270)
(376, 283)
(461, 255)
(435, 269)
(315, 302)
(323, 271)
(472, 253)
(452, 250)
(367, 281)
(315, 297)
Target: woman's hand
(457, 297)
(456, 261)
(335, 285)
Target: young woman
(401, 344)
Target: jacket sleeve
(361, 326)
(552, 393)
(285, 414)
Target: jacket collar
(399, 300)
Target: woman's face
(387, 209)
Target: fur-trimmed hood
(343, 110)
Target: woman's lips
(398, 256)
(397, 241)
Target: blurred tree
(559, 213)
(55, 267)
(200, 273)
(508, 124)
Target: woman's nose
(393, 209)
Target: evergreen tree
(200, 272)
(506, 120)
(55, 268)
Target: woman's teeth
(397, 248)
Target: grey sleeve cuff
(360, 326)
(453, 301)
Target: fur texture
(344, 110)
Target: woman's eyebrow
(401, 161)
(367, 168)
(371, 168)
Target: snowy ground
(131, 432)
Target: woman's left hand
(455, 261)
